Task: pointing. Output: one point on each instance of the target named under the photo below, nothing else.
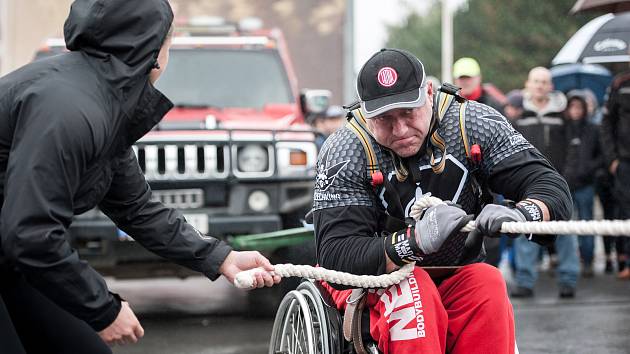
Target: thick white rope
(245, 279)
(573, 227)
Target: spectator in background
(583, 158)
(542, 124)
(513, 109)
(327, 123)
(604, 182)
(615, 137)
(467, 75)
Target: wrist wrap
(401, 247)
(530, 210)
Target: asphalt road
(194, 316)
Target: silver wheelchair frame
(307, 322)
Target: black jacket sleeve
(527, 174)
(608, 128)
(593, 161)
(346, 241)
(49, 153)
(160, 229)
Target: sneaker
(566, 292)
(609, 267)
(522, 292)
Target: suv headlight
(296, 158)
(252, 158)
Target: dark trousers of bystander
(622, 193)
(31, 323)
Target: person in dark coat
(615, 138)
(67, 125)
(583, 158)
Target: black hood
(125, 34)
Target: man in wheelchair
(406, 138)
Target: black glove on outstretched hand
(492, 217)
(437, 224)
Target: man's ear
(430, 89)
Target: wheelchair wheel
(326, 320)
(293, 330)
(305, 323)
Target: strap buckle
(359, 295)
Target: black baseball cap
(391, 78)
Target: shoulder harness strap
(357, 126)
(446, 94)
(445, 97)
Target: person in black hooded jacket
(67, 124)
(583, 159)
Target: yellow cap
(466, 67)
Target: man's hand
(613, 167)
(438, 223)
(492, 216)
(240, 261)
(125, 328)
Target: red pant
(469, 312)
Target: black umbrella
(601, 5)
(603, 40)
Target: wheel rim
(320, 322)
(293, 331)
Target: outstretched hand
(241, 261)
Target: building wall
(25, 26)
(313, 29)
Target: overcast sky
(371, 18)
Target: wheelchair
(307, 322)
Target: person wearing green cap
(467, 76)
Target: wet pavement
(195, 316)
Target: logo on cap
(387, 76)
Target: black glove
(492, 216)
(437, 224)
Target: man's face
(575, 110)
(468, 84)
(539, 83)
(403, 130)
(162, 60)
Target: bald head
(538, 84)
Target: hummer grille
(183, 161)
